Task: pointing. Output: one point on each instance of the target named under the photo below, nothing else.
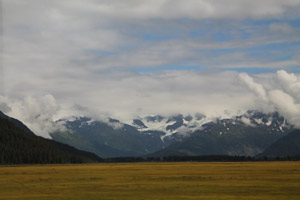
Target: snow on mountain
(171, 126)
(182, 126)
(247, 134)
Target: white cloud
(290, 83)
(194, 9)
(37, 114)
(126, 96)
(130, 95)
(283, 96)
(283, 102)
(257, 88)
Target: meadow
(155, 181)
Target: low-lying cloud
(216, 95)
(37, 113)
(283, 97)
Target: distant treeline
(204, 158)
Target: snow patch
(270, 120)
(247, 121)
(259, 121)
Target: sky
(132, 58)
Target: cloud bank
(216, 95)
(37, 113)
(65, 37)
(284, 98)
(124, 59)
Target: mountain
(18, 145)
(108, 139)
(289, 145)
(115, 139)
(248, 134)
(173, 128)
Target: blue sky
(280, 47)
(249, 36)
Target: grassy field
(248, 180)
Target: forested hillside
(19, 146)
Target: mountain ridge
(245, 135)
(248, 134)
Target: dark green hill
(18, 145)
(288, 145)
(16, 122)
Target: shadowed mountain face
(111, 139)
(18, 145)
(115, 139)
(289, 145)
(248, 134)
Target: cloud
(129, 95)
(286, 106)
(37, 113)
(71, 37)
(282, 27)
(194, 9)
(282, 96)
(4, 107)
(257, 88)
(290, 83)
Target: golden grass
(153, 181)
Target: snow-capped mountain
(247, 134)
(173, 127)
(170, 124)
(180, 126)
(108, 139)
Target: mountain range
(109, 139)
(247, 135)
(251, 134)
